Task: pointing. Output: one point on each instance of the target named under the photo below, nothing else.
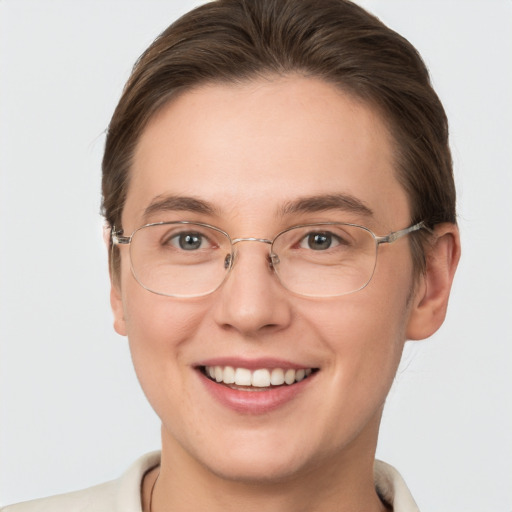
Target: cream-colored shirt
(123, 495)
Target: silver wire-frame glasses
(192, 259)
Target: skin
(248, 150)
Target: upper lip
(253, 364)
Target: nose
(251, 300)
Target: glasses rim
(118, 239)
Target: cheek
(364, 333)
(154, 321)
(158, 329)
(361, 331)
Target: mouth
(260, 379)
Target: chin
(259, 457)
(259, 469)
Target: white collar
(392, 489)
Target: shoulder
(95, 499)
(122, 495)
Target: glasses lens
(180, 259)
(325, 260)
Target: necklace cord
(151, 493)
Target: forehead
(254, 147)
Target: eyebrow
(319, 203)
(178, 203)
(309, 204)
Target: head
(248, 107)
(332, 40)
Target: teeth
(261, 378)
(289, 376)
(243, 376)
(277, 377)
(229, 375)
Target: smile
(258, 379)
(255, 386)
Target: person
(278, 191)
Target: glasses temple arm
(117, 239)
(395, 235)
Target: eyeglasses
(192, 259)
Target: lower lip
(254, 402)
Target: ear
(116, 300)
(116, 303)
(433, 290)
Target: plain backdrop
(71, 411)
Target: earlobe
(432, 292)
(116, 302)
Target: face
(247, 152)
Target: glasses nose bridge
(253, 239)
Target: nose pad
(273, 260)
(228, 261)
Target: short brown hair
(229, 41)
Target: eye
(319, 241)
(189, 241)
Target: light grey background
(71, 411)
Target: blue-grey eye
(319, 241)
(188, 241)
